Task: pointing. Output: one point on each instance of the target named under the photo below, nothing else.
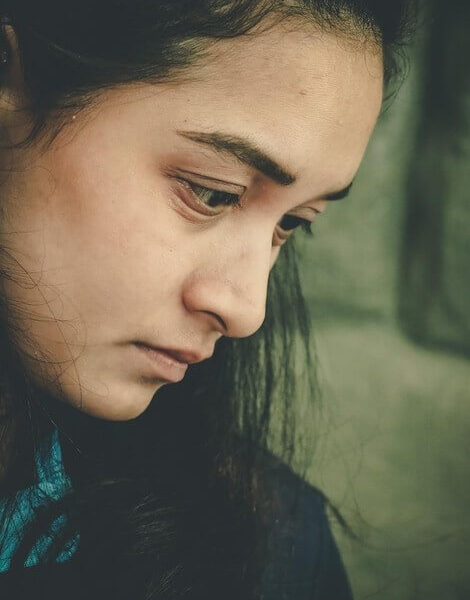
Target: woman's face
(112, 238)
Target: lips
(182, 356)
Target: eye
(290, 222)
(211, 198)
(287, 225)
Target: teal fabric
(53, 483)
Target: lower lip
(161, 364)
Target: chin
(119, 407)
(118, 411)
(120, 404)
(112, 398)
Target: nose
(229, 290)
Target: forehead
(298, 94)
(308, 99)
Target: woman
(157, 158)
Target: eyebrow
(339, 194)
(249, 154)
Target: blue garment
(304, 562)
(53, 483)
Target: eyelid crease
(182, 173)
(310, 209)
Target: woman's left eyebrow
(340, 194)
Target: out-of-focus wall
(387, 280)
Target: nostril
(220, 322)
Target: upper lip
(183, 356)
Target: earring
(4, 53)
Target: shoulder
(304, 562)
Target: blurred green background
(387, 281)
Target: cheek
(96, 261)
(110, 213)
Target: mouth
(187, 356)
(160, 364)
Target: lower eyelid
(184, 190)
(282, 234)
(183, 207)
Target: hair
(170, 504)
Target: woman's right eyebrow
(247, 153)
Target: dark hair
(170, 504)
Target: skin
(106, 247)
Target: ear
(12, 88)
(13, 100)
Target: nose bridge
(232, 285)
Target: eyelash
(293, 220)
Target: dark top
(304, 560)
